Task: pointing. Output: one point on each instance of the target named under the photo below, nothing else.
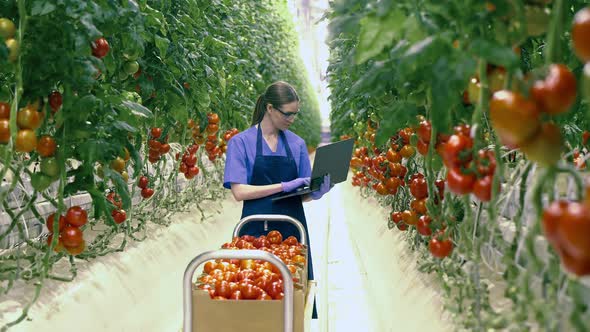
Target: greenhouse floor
(367, 278)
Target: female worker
(268, 159)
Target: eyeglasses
(287, 115)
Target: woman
(268, 159)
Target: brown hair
(277, 94)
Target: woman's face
(283, 116)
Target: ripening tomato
(28, 118)
(61, 223)
(546, 146)
(381, 189)
(46, 146)
(76, 216)
(7, 28)
(26, 140)
(13, 49)
(581, 34)
(100, 47)
(418, 206)
(118, 164)
(4, 131)
(423, 226)
(440, 248)
(557, 93)
(458, 182)
(409, 217)
(407, 151)
(4, 110)
(71, 236)
(514, 118)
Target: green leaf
(124, 126)
(121, 187)
(376, 33)
(393, 119)
(494, 53)
(162, 45)
(42, 7)
(137, 109)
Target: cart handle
(272, 217)
(237, 254)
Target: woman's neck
(268, 128)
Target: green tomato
(13, 49)
(123, 75)
(373, 116)
(352, 116)
(7, 28)
(131, 67)
(131, 54)
(50, 167)
(40, 181)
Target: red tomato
(147, 192)
(193, 171)
(440, 185)
(62, 222)
(418, 206)
(401, 226)
(236, 295)
(156, 133)
(165, 148)
(581, 34)
(212, 128)
(100, 47)
(482, 188)
(514, 118)
(74, 251)
(557, 93)
(143, 182)
(76, 216)
(422, 147)
(381, 189)
(55, 101)
(486, 162)
(249, 292)
(261, 242)
(274, 237)
(552, 216)
(573, 230)
(26, 140)
(71, 236)
(423, 226)
(419, 188)
(213, 118)
(46, 146)
(457, 150)
(276, 290)
(424, 131)
(440, 248)
(393, 156)
(4, 131)
(291, 241)
(119, 216)
(222, 288)
(4, 110)
(396, 216)
(458, 182)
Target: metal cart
(288, 290)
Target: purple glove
(324, 188)
(294, 184)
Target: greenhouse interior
(294, 165)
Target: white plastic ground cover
(136, 290)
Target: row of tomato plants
(132, 103)
(457, 109)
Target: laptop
(333, 159)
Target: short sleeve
(235, 164)
(304, 164)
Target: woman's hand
(294, 184)
(324, 188)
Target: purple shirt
(241, 152)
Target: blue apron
(270, 170)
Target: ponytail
(259, 110)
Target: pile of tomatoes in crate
(247, 279)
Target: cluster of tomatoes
(71, 237)
(119, 215)
(566, 225)
(465, 174)
(188, 165)
(143, 184)
(227, 135)
(211, 145)
(7, 32)
(253, 279)
(158, 146)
